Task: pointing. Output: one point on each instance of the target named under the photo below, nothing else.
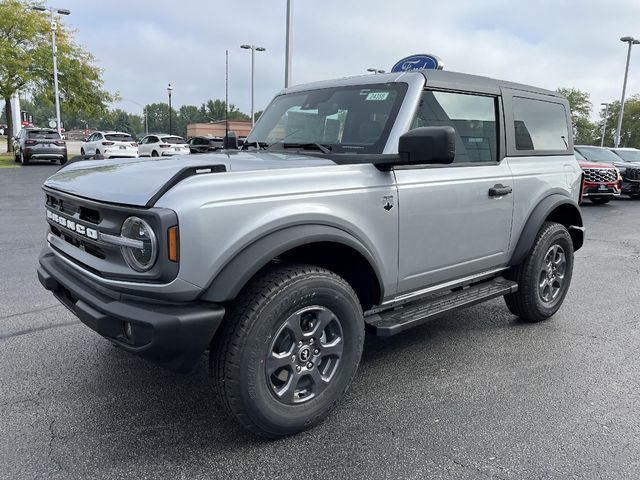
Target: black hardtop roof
(463, 81)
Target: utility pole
(287, 61)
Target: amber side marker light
(174, 249)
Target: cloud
(144, 45)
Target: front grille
(600, 175)
(82, 242)
(632, 174)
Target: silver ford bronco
(369, 203)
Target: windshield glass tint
(43, 134)
(173, 140)
(629, 155)
(355, 119)
(118, 137)
(597, 154)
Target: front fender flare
(539, 215)
(238, 271)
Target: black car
(205, 144)
(629, 171)
(39, 144)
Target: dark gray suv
(39, 144)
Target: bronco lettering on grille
(72, 225)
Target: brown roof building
(217, 129)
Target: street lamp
(604, 124)
(169, 90)
(253, 49)
(631, 41)
(54, 26)
(375, 70)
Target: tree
(585, 132)
(26, 63)
(630, 133)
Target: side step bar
(395, 321)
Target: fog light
(128, 330)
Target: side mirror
(85, 139)
(231, 141)
(427, 145)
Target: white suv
(162, 145)
(110, 145)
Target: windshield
(629, 155)
(598, 154)
(118, 137)
(47, 134)
(173, 140)
(353, 119)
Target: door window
(472, 116)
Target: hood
(589, 164)
(141, 180)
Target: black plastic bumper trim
(172, 335)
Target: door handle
(498, 190)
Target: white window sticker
(377, 96)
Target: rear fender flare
(544, 210)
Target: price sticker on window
(377, 96)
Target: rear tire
(289, 348)
(600, 200)
(24, 159)
(544, 276)
(154, 154)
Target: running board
(395, 321)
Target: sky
(143, 45)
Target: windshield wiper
(308, 146)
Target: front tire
(544, 276)
(290, 347)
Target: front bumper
(630, 186)
(593, 189)
(173, 335)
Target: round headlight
(143, 257)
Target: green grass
(6, 161)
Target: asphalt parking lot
(473, 395)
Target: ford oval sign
(417, 62)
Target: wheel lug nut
(311, 340)
(293, 358)
(300, 343)
(309, 365)
(316, 351)
(298, 368)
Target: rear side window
(173, 140)
(472, 116)
(539, 125)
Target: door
(143, 147)
(455, 220)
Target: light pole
(169, 90)
(604, 124)
(253, 49)
(287, 55)
(631, 41)
(375, 70)
(54, 26)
